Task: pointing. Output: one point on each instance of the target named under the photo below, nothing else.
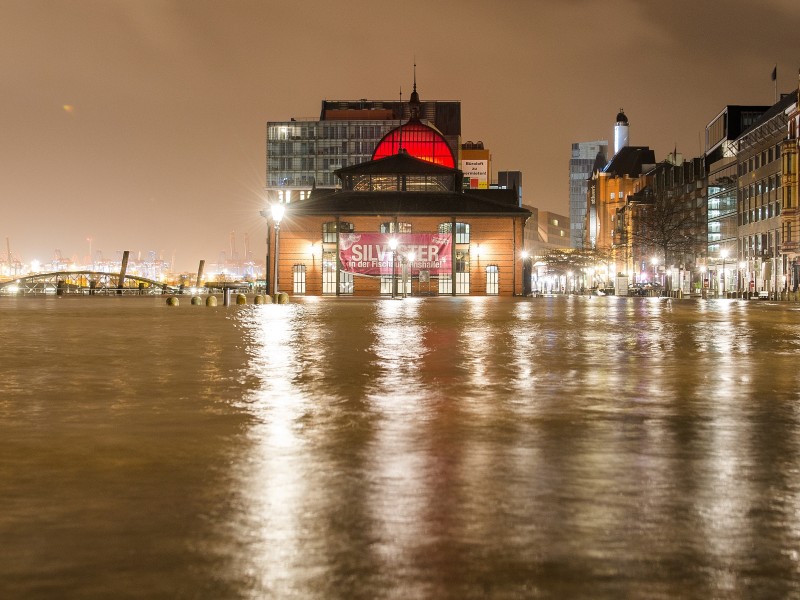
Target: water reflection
(275, 487)
(449, 448)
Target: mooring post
(200, 273)
(122, 270)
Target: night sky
(141, 124)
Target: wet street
(557, 447)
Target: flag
(775, 73)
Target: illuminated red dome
(419, 141)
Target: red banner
(370, 253)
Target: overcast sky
(141, 123)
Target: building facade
(402, 223)
(660, 233)
(762, 265)
(587, 157)
(790, 214)
(608, 190)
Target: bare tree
(664, 225)
(563, 262)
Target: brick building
(402, 224)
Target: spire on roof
(414, 104)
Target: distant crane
(233, 256)
(12, 261)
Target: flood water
(582, 447)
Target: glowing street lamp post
(277, 214)
(724, 255)
(740, 284)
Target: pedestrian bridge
(84, 282)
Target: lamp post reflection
(654, 262)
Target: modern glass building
(584, 157)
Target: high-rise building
(586, 158)
(511, 180)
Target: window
(462, 231)
(330, 231)
(299, 279)
(346, 283)
(492, 280)
(386, 285)
(462, 272)
(329, 273)
(392, 227)
(445, 284)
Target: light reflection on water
(448, 448)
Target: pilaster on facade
(790, 214)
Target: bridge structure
(85, 282)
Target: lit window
(299, 279)
(392, 227)
(492, 280)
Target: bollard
(172, 301)
(241, 299)
(283, 298)
(261, 299)
(211, 301)
(226, 297)
(197, 301)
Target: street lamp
(742, 272)
(724, 255)
(277, 214)
(393, 247)
(527, 275)
(654, 262)
(266, 216)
